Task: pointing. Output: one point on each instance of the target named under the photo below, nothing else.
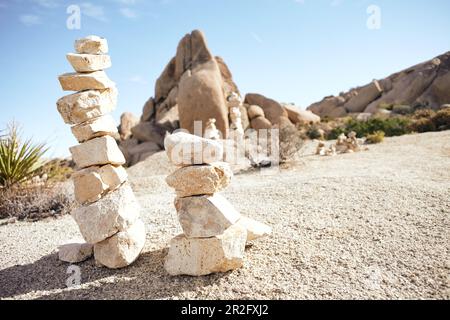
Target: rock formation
(108, 216)
(193, 87)
(196, 86)
(214, 233)
(426, 84)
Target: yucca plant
(19, 160)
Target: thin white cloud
(127, 2)
(48, 3)
(93, 11)
(336, 3)
(138, 80)
(30, 20)
(256, 37)
(128, 13)
(300, 1)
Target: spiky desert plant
(19, 160)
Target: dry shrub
(442, 119)
(427, 120)
(57, 170)
(33, 203)
(423, 125)
(291, 141)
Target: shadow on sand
(145, 279)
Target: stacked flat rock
(108, 216)
(214, 233)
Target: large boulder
(326, 107)
(273, 111)
(202, 83)
(127, 122)
(297, 115)
(149, 132)
(365, 95)
(260, 123)
(201, 98)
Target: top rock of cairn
(91, 45)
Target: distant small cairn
(344, 144)
(108, 217)
(214, 233)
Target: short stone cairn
(108, 216)
(214, 233)
(344, 144)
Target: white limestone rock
(255, 229)
(91, 45)
(205, 216)
(123, 248)
(97, 80)
(75, 252)
(201, 179)
(86, 105)
(199, 257)
(92, 183)
(96, 152)
(184, 149)
(97, 127)
(89, 62)
(116, 212)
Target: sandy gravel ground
(374, 224)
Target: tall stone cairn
(108, 216)
(214, 233)
(234, 103)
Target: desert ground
(374, 224)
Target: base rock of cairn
(214, 233)
(108, 216)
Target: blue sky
(290, 50)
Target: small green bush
(376, 137)
(314, 133)
(19, 161)
(395, 126)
